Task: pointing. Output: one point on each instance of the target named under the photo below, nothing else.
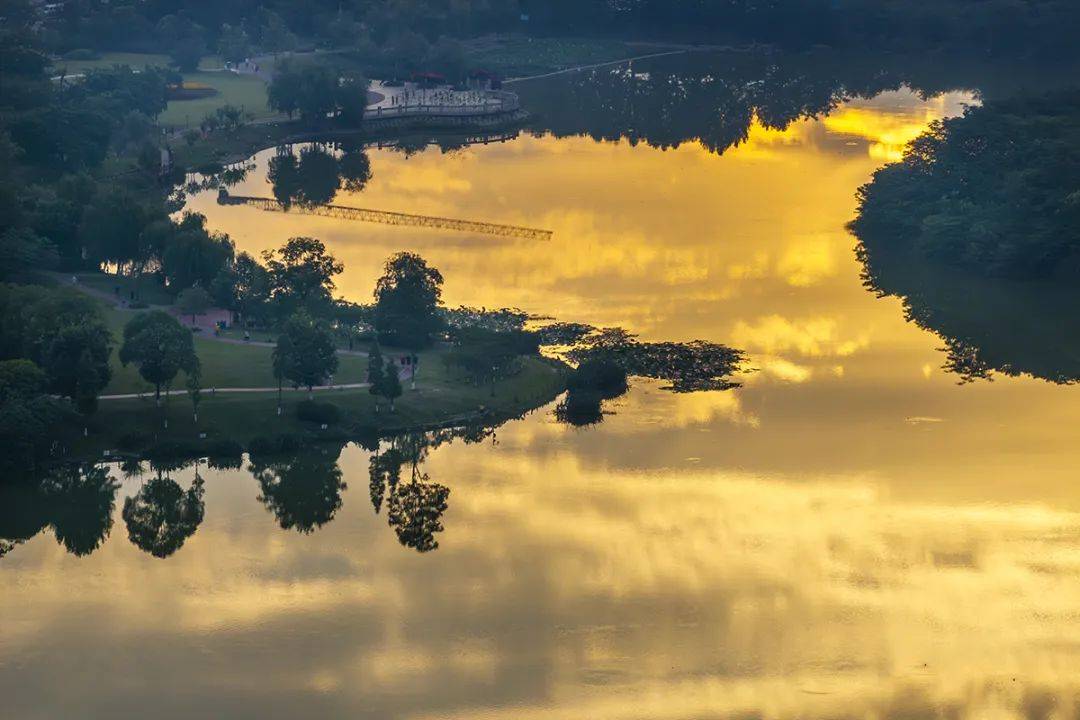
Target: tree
(184, 39)
(376, 373)
(447, 56)
(111, 228)
(391, 385)
(233, 43)
(302, 276)
(307, 89)
(194, 256)
(317, 92)
(159, 347)
(193, 301)
(22, 250)
(194, 388)
(28, 430)
(407, 299)
(76, 360)
(20, 380)
(281, 358)
(487, 355)
(243, 286)
(307, 351)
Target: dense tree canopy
(159, 346)
(305, 353)
(995, 191)
(407, 298)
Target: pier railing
(498, 102)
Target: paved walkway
(208, 392)
(577, 68)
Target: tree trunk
(157, 394)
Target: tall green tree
(195, 256)
(160, 347)
(376, 373)
(302, 276)
(77, 363)
(193, 301)
(307, 350)
(391, 383)
(407, 298)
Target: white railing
(498, 102)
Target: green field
(135, 60)
(243, 91)
(223, 364)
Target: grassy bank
(223, 364)
(134, 425)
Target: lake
(853, 532)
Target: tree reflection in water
(162, 515)
(988, 325)
(314, 176)
(303, 491)
(76, 502)
(82, 503)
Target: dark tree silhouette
(385, 472)
(303, 492)
(162, 515)
(24, 512)
(415, 512)
(81, 501)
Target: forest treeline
(994, 191)
(976, 231)
(234, 28)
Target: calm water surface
(852, 533)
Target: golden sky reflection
(850, 534)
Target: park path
(215, 391)
(592, 66)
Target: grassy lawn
(135, 60)
(240, 417)
(244, 91)
(223, 364)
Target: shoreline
(137, 428)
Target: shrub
(604, 377)
(318, 412)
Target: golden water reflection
(850, 534)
